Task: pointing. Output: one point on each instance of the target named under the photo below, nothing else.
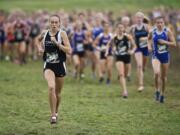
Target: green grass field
(100, 5)
(87, 108)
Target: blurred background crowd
(19, 29)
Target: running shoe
(101, 80)
(157, 94)
(125, 94)
(108, 81)
(53, 120)
(141, 88)
(161, 100)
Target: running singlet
(103, 41)
(96, 31)
(78, 39)
(52, 54)
(19, 31)
(35, 30)
(140, 34)
(157, 48)
(122, 45)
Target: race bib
(178, 37)
(122, 50)
(162, 49)
(19, 35)
(80, 47)
(103, 48)
(143, 43)
(52, 57)
(34, 31)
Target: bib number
(143, 43)
(162, 49)
(80, 47)
(103, 48)
(19, 35)
(121, 51)
(52, 57)
(34, 31)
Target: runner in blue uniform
(78, 41)
(105, 62)
(96, 31)
(161, 38)
(140, 33)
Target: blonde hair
(125, 18)
(139, 14)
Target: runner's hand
(53, 39)
(40, 51)
(162, 42)
(130, 52)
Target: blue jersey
(78, 41)
(157, 48)
(103, 41)
(160, 52)
(96, 31)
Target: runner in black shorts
(122, 54)
(126, 23)
(56, 45)
(89, 49)
(20, 38)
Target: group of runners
(95, 39)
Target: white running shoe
(141, 88)
(53, 120)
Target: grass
(87, 108)
(100, 5)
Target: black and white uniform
(54, 58)
(35, 30)
(122, 47)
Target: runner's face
(54, 22)
(120, 28)
(106, 27)
(98, 21)
(125, 22)
(79, 26)
(160, 23)
(139, 19)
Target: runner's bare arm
(66, 47)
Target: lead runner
(54, 44)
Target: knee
(121, 75)
(58, 95)
(139, 66)
(51, 88)
(77, 64)
(157, 74)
